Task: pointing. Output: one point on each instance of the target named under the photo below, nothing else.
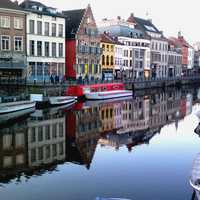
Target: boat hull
(15, 115)
(57, 101)
(15, 107)
(108, 95)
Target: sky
(169, 16)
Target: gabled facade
(187, 53)
(45, 29)
(158, 47)
(135, 46)
(12, 40)
(82, 45)
(107, 57)
(174, 59)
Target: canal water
(141, 148)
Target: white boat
(56, 101)
(195, 176)
(108, 94)
(14, 115)
(102, 102)
(15, 106)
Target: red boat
(98, 91)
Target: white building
(190, 58)
(45, 41)
(136, 56)
(118, 59)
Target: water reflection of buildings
(13, 150)
(48, 138)
(83, 128)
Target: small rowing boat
(15, 106)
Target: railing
(24, 81)
(12, 81)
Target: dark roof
(109, 39)
(27, 5)
(72, 20)
(9, 5)
(144, 24)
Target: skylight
(150, 28)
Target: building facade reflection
(50, 137)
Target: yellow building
(107, 58)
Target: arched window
(107, 60)
(103, 60)
(111, 60)
(103, 47)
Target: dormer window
(88, 20)
(40, 8)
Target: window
(48, 152)
(107, 47)
(39, 68)
(5, 43)
(112, 48)
(54, 29)
(60, 69)
(32, 26)
(33, 134)
(46, 46)
(54, 130)
(60, 30)
(33, 155)
(103, 60)
(18, 43)
(47, 132)
(61, 130)
(60, 49)
(53, 49)
(40, 133)
(40, 153)
(61, 148)
(107, 60)
(54, 150)
(18, 23)
(46, 28)
(5, 21)
(32, 47)
(39, 48)
(111, 60)
(39, 27)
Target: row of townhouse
(145, 51)
(39, 43)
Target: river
(138, 148)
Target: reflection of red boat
(99, 91)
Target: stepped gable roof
(7, 4)
(146, 25)
(33, 6)
(73, 20)
(180, 41)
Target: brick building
(12, 40)
(82, 44)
